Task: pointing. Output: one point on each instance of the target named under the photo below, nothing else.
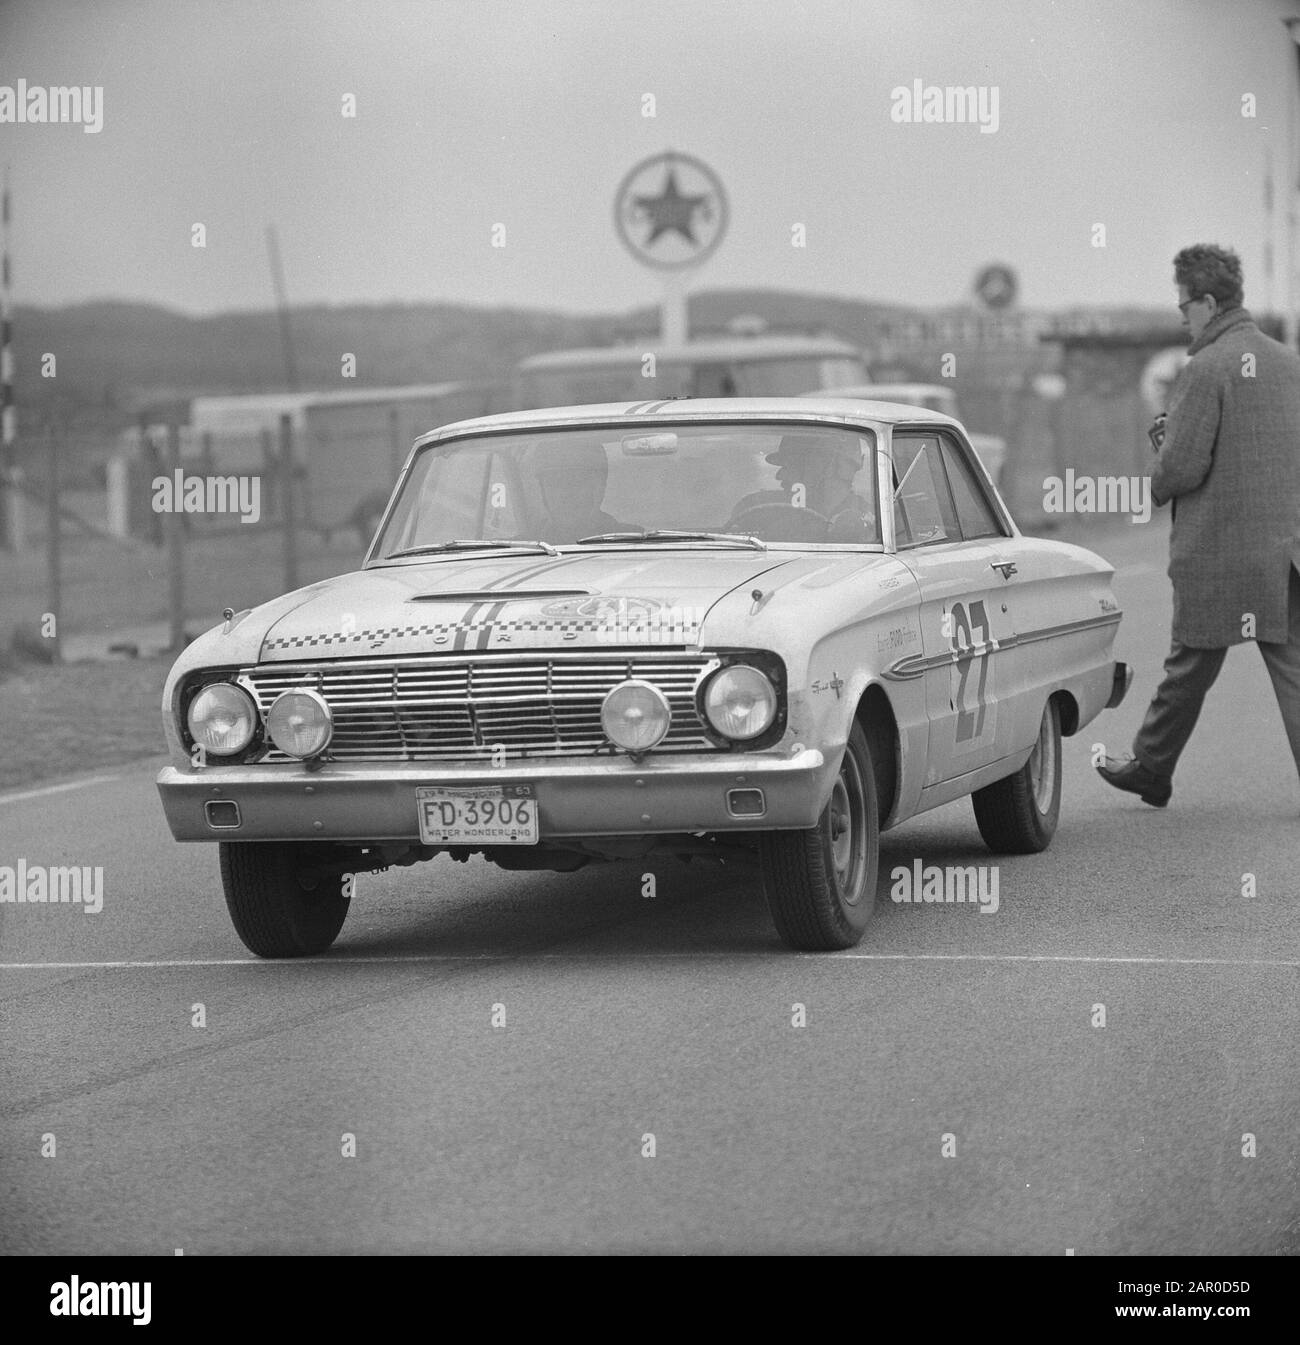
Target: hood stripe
(484, 628)
(546, 567)
(510, 580)
(465, 625)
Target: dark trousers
(1190, 673)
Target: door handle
(1004, 567)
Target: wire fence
(132, 545)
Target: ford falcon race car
(761, 629)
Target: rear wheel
(1018, 815)
(820, 883)
(280, 905)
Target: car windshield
(802, 485)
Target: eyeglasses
(1187, 303)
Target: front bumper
(610, 797)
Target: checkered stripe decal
(456, 632)
(325, 641)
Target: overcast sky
(528, 113)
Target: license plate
(477, 814)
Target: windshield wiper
(471, 544)
(673, 535)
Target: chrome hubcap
(846, 825)
(1043, 764)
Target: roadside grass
(67, 719)
(64, 719)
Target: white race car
(760, 629)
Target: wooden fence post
(175, 547)
(395, 453)
(53, 541)
(270, 476)
(153, 469)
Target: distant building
(348, 446)
(761, 365)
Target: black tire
(1018, 815)
(820, 883)
(279, 909)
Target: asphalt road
(672, 1017)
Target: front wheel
(820, 883)
(280, 905)
(1018, 815)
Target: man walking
(1229, 464)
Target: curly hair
(1207, 269)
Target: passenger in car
(826, 468)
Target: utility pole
(11, 504)
(288, 504)
(286, 467)
(282, 307)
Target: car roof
(886, 391)
(692, 352)
(807, 408)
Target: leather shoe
(1131, 775)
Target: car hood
(508, 602)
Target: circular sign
(670, 211)
(996, 286)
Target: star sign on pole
(670, 211)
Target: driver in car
(571, 479)
(826, 468)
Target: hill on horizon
(116, 358)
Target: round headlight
(740, 702)
(222, 719)
(299, 723)
(635, 715)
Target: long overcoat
(1231, 466)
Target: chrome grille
(444, 707)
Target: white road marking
(57, 789)
(1049, 957)
(163, 964)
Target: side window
(923, 512)
(974, 513)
